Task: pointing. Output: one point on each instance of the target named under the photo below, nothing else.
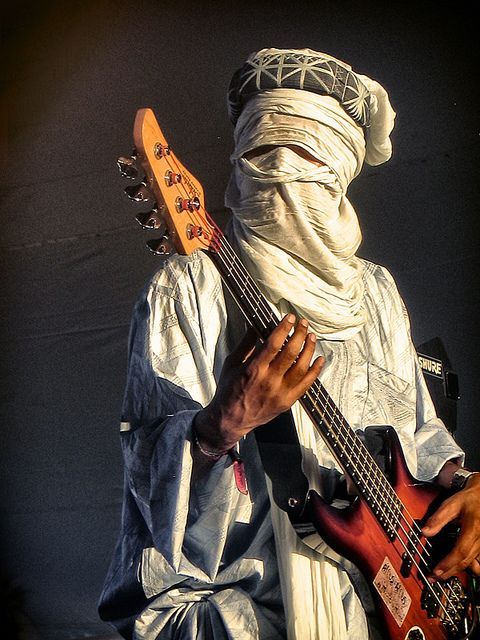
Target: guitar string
(410, 535)
(270, 317)
(222, 248)
(208, 221)
(356, 442)
(395, 502)
(234, 262)
(395, 505)
(411, 556)
(356, 445)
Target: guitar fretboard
(345, 445)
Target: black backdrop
(73, 259)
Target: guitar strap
(281, 457)
(277, 440)
(280, 450)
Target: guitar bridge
(447, 601)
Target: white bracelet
(215, 455)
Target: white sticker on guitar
(392, 591)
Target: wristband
(213, 455)
(460, 478)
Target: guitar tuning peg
(127, 166)
(151, 219)
(160, 247)
(139, 192)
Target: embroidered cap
(300, 69)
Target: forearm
(213, 431)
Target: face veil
(296, 151)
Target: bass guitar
(381, 530)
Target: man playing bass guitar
(206, 549)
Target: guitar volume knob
(415, 633)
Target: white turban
(296, 152)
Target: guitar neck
(243, 288)
(344, 444)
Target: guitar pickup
(431, 599)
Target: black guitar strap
(282, 461)
(277, 440)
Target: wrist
(454, 477)
(212, 454)
(461, 478)
(208, 436)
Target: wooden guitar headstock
(179, 211)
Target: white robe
(212, 565)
